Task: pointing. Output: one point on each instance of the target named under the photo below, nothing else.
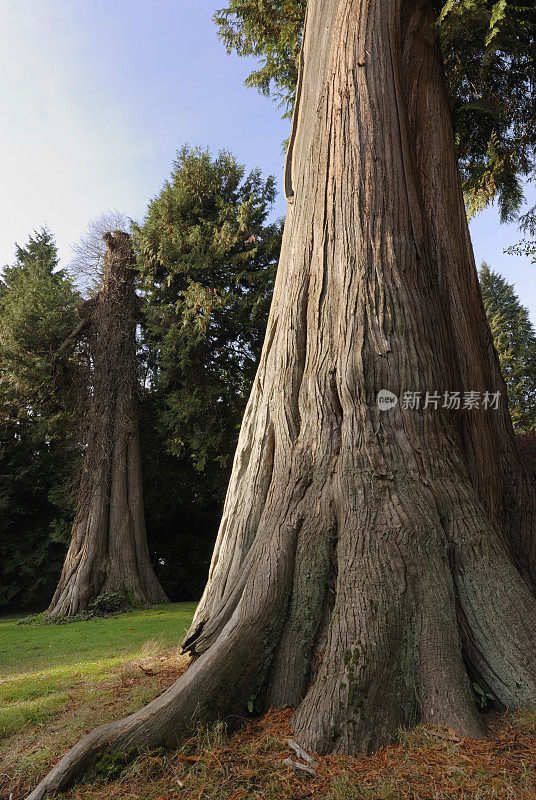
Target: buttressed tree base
(366, 559)
(108, 551)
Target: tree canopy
(372, 564)
(207, 256)
(207, 265)
(490, 63)
(206, 260)
(41, 387)
(515, 340)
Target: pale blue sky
(98, 96)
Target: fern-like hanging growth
(490, 64)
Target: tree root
(393, 653)
(220, 681)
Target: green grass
(14, 716)
(59, 682)
(37, 647)
(40, 664)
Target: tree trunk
(365, 557)
(108, 551)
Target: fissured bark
(108, 550)
(365, 557)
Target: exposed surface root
(207, 691)
(496, 609)
(393, 655)
(359, 554)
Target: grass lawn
(40, 663)
(33, 648)
(58, 682)
(49, 671)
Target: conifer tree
(42, 388)
(206, 256)
(490, 70)
(370, 562)
(515, 341)
(108, 552)
(207, 265)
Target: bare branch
(88, 259)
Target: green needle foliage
(515, 340)
(271, 32)
(491, 70)
(41, 386)
(207, 261)
(490, 62)
(527, 246)
(207, 266)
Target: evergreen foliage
(488, 49)
(515, 340)
(207, 257)
(527, 246)
(271, 32)
(41, 384)
(207, 261)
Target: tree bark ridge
(363, 557)
(108, 550)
